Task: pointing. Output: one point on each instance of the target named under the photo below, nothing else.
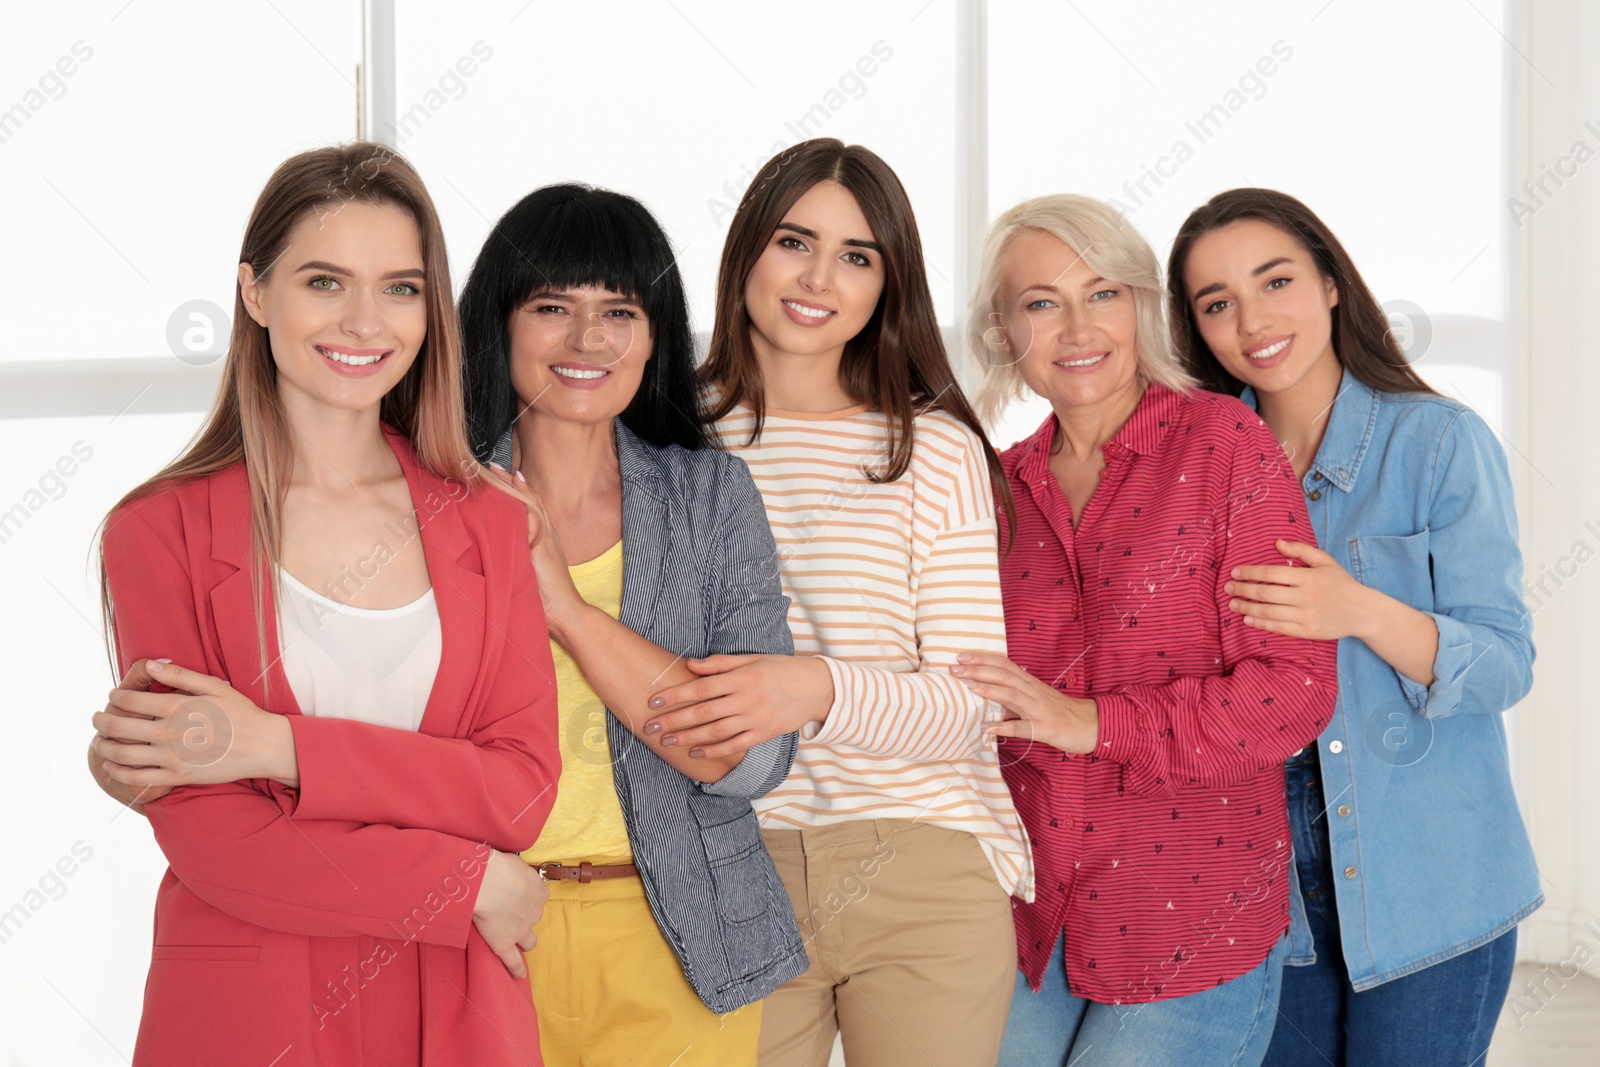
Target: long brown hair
(247, 424)
(897, 364)
(1361, 337)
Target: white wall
(1561, 520)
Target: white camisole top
(375, 665)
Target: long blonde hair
(247, 424)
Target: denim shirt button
(1349, 872)
(1336, 747)
(1344, 810)
(1315, 494)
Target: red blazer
(282, 906)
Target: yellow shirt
(586, 822)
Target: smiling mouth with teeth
(573, 372)
(1270, 350)
(810, 313)
(1080, 362)
(349, 360)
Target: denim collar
(1349, 432)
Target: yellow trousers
(610, 992)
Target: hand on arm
(1034, 711)
(920, 714)
(1322, 602)
(203, 732)
(1273, 692)
(740, 701)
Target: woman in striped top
(895, 833)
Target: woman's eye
(404, 289)
(1214, 307)
(547, 309)
(1040, 304)
(622, 313)
(1104, 294)
(317, 283)
(1278, 283)
(858, 259)
(794, 244)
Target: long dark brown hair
(897, 364)
(246, 422)
(1361, 337)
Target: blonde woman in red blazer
(340, 891)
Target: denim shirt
(700, 577)
(1410, 493)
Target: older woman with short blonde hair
(1113, 247)
(1145, 728)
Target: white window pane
(676, 104)
(1387, 119)
(129, 181)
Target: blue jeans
(1226, 1026)
(1440, 1016)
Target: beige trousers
(913, 952)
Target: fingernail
(965, 657)
(1233, 573)
(156, 665)
(521, 479)
(696, 753)
(496, 467)
(652, 728)
(1227, 587)
(970, 684)
(668, 742)
(957, 669)
(657, 702)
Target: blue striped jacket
(700, 576)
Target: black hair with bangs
(565, 236)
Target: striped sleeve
(926, 713)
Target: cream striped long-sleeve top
(888, 582)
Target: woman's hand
(510, 902)
(557, 593)
(204, 733)
(1319, 601)
(740, 701)
(1033, 710)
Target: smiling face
(578, 354)
(818, 281)
(1261, 305)
(1071, 333)
(344, 306)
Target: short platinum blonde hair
(1109, 246)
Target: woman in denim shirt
(667, 921)
(1412, 863)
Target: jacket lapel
(646, 533)
(232, 602)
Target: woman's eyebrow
(333, 268)
(853, 242)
